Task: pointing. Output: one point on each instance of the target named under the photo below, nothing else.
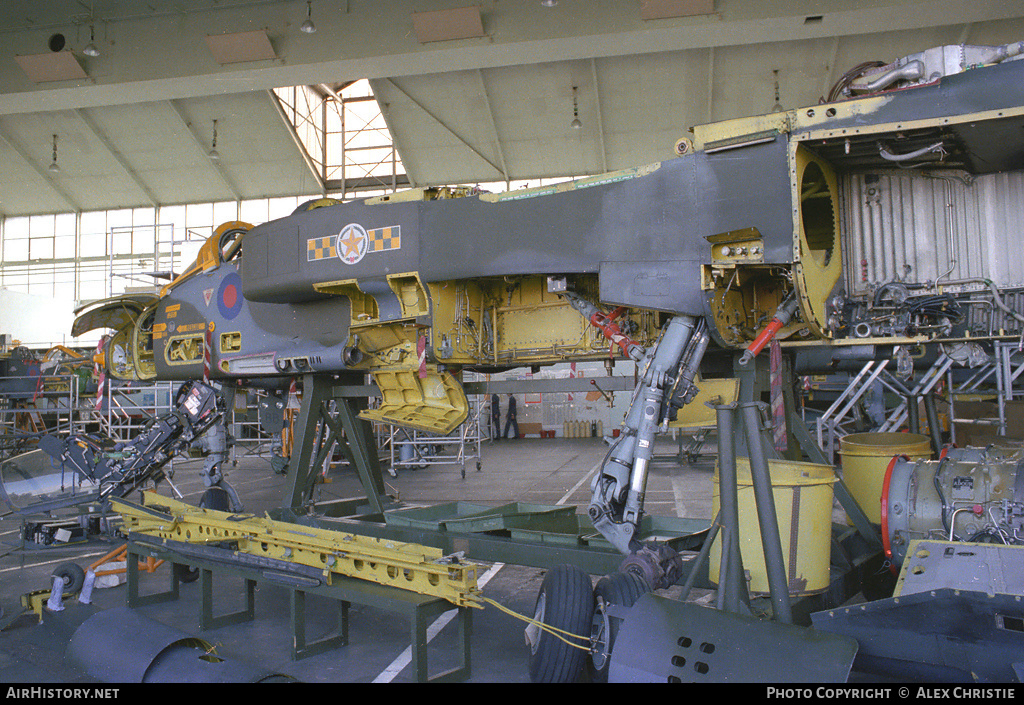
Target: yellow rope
(553, 631)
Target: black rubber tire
(186, 573)
(622, 589)
(565, 601)
(216, 498)
(73, 575)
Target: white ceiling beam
(385, 112)
(494, 125)
(118, 157)
(600, 120)
(203, 149)
(297, 142)
(44, 175)
(375, 41)
(447, 128)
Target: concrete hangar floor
(542, 471)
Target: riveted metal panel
(943, 228)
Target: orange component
(119, 554)
(766, 335)
(783, 315)
(886, 545)
(605, 322)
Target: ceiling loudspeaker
(240, 47)
(447, 25)
(664, 9)
(54, 66)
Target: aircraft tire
(622, 589)
(73, 575)
(565, 601)
(216, 498)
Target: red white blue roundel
(352, 243)
(229, 296)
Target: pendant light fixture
(53, 168)
(575, 124)
(91, 49)
(213, 153)
(308, 27)
(777, 108)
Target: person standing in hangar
(510, 419)
(495, 417)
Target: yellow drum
(803, 504)
(865, 457)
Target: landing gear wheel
(657, 563)
(622, 589)
(216, 498)
(186, 573)
(72, 574)
(565, 601)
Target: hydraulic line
(783, 315)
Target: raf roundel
(229, 296)
(352, 243)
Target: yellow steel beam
(408, 566)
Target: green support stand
(326, 419)
(207, 620)
(300, 647)
(134, 599)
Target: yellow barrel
(803, 506)
(865, 458)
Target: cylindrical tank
(970, 494)
(865, 456)
(119, 645)
(406, 453)
(803, 504)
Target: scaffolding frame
(66, 415)
(422, 449)
(257, 443)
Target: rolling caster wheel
(72, 574)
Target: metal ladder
(828, 424)
(925, 386)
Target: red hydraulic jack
(783, 315)
(606, 324)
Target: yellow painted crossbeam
(408, 566)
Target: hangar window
(345, 135)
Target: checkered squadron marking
(353, 243)
(321, 248)
(382, 239)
